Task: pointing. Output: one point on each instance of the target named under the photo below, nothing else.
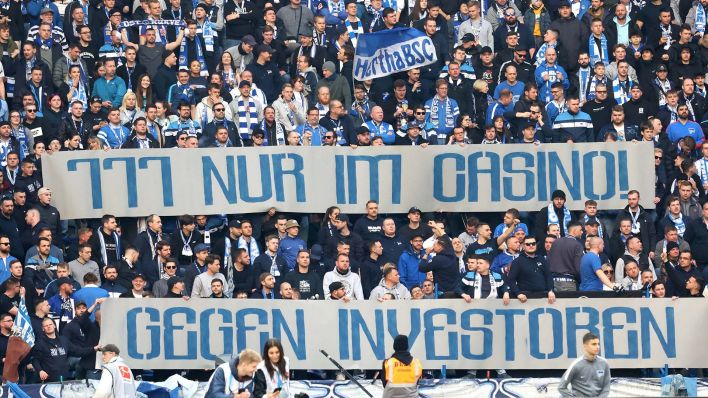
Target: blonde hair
(249, 356)
(479, 84)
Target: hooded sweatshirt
(398, 291)
(350, 280)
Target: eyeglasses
(182, 138)
(521, 55)
(529, 243)
(4, 243)
(219, 110)
(420, 113)
(608, 272)
(658, 157)
(170, 266)
(31, 110)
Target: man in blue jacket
(409, 260)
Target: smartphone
(277, 389)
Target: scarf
(21, 135)
(230, 286)
(583, 79)
(354, 32)
(478, 286)
(436, 108)
(279, 133)
(700, 18)
(678, 223)
(37, 94)
(208, 33)
(102, 244)
(666, 32)
(620, 90)
(251, 247)
(636, 226)
(45, 44)
(551, 71)
(689, 105)
(184, 64)
(541, 53)
(664, 87)
(553, 218)
(593, 83)
(80, 93)
(587, 218)
(376, 17)
(598, 54)
(247, 119)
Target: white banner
(475, 178)
(178, 334)
(390, 51)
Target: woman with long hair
(272, 378)
(227, 68)
(500, 127)
(73, 87)
(327, 228)
(419, 11)
(299, 93)
(143, 93)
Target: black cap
(96, 98)
(80, 303)
(362, 130)
(486, 49)
(564, 4)
(139, 275)
(343, 218)
(558, 194)
(661, 68)
(257, 132)
(306, 33)
(166, 54)
(414, 209)
(468, 37)
(526, 125)
(334, 286)
(670, 245)
(235, 224)
(244, 83)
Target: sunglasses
(529, 243)
(4, 243)
(608, 272)
(31, 110)
(420, 113)
(170, 266)
(328, 137)
(521, 55)
(658, 157)
(218, 110)
(600, 92)
(182, 138)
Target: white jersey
(116, 381)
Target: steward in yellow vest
(401, 372)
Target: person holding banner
(589, 375)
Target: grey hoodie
(399, 291)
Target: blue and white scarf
(279, 133)
(184, 64)
(446, 108)
(583, 82)
(376, 17)
(598, 55)
(354, 33)
(541, 53)
(678, 223)
(251, 247)
(208, 33)
(700, 18)
(553, 218)
(621, 93)
(80, 93)
(587, 218)
(45, 44)
(593, 83)
(247, 120)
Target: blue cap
(201, 247)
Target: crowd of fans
(109, 74)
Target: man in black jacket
(642, 223)
(444, 266)
(307, 282)
(530, 274)
(697, 236)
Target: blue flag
(23, 324)
(391, 51)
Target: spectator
(343, 274)
(390, 284)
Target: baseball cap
(486, 49)
(468, 37)
(414, 209)
(201, 247)
(263, 48)
(248, 39)
(244, 83)
(96, 98)
(46, 10)
(235, 224)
